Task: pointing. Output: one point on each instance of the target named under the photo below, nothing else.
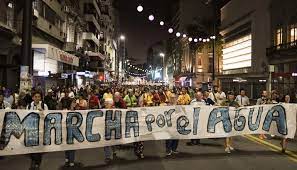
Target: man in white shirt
(198, 101)
(220, 96)
(242, 99)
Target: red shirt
(94, 101)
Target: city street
(210, 155)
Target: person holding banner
(68, 104)
(108, 150)
(198, 101)
(38, 105)
(231, 103)
(171, 145)
(284, 142)
(262, 101)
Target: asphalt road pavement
(251, 154)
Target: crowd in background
(94, 97)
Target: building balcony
(91, 18)
(96, 4)
(70, 47)
(90, 36)
(49, 28)
(286, 52)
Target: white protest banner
(26, 131)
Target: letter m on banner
(12, 125)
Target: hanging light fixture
(140, 8)
(151, 17)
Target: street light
(177, 34)
(122, 37)
(162, 23)
(190, 39)
(139, 8)
(170, 30)
(162, 55)
(195, 40)
(185, 35)
(151, 17)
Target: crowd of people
(93, 97)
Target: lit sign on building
(238, 53)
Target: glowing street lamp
(184, 35)
(139, 8)
(151, 17)
(170, 30)
(190, 39)
(178, 34)
(162, 23)
(195, 40)
(122, 37)
(162, 55)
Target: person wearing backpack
(36, 105)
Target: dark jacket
(50, 102)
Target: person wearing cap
(230, 102)
(50, 101)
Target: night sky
(139, 31)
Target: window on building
(279, 36)
(238, 53)
(70, 33)
(10, 14)
(293, 33)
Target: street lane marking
(292, 156)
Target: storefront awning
(93, 54)
(57, 54)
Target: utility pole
(26, 67)
(27, 59)
(213, 40)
